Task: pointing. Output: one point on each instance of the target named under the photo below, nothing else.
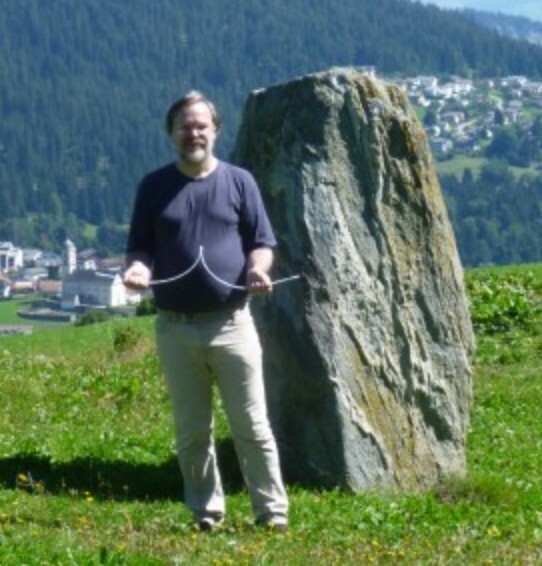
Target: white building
(91, 287)
(462, 86)
(453, 118)
(11, 257)
(441, 145)
(94, 288)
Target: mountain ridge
(516, 27)
(519, 8)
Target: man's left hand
(258, 282)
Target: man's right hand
(137, 276)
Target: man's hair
(188, 99)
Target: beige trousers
(222, 348)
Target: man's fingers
(137, 277)
(258, 282)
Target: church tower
(70, 257)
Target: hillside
(516, 27)
(85, 86)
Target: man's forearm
(260, 259)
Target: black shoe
(207, 524)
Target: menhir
(368, 356)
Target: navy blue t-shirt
(174, 216)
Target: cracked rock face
(368, 355)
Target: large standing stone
(367, 357)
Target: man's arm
(259, 262)
(140, 243)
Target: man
(200, 230)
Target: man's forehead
(197, 110)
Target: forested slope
(85, 85)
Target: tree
(494, 174)
(505, 145)
(430, 118)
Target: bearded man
(204, 219)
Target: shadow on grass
(110, 480)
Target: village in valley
(459, 115)
(66, 284)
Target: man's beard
(195, 155)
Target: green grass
(458, 164)
(8, 312)
(88, 474)
(90, 231)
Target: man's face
(194, 133)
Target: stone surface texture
(368, 355)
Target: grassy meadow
(88, 474)
(458, 164)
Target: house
(453, 118)
(511, 116)
(88, 259)
(49, 260)
(422, 101)
(31, 256)
(33, 274)
(518, 81)
(49, 287)
(462, 86)
(441, 145)
(533, 88)
(11, 257)
(22, 286)
(425, 82)
(433, 131)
